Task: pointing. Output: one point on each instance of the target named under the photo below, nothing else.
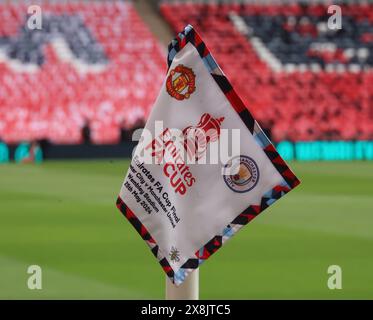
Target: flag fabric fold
(183, 206)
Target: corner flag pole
(188, 290)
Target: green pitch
(62, 217)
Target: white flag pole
(188, 290)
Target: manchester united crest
(181, 82)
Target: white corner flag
(203, 167)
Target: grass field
(62, 216)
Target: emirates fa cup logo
(197, 138)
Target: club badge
(181, 82)
(241, 174)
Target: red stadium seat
(300, 105)
(56, 100)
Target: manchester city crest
(181, 82)
(241, 174)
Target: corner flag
(203, 167)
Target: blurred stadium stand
(299, 78)
(92, 65)
(94, 70)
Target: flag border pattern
(290, 181)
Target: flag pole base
(188, 290)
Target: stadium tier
(97, 65)
(91, 64)
(299, 78)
